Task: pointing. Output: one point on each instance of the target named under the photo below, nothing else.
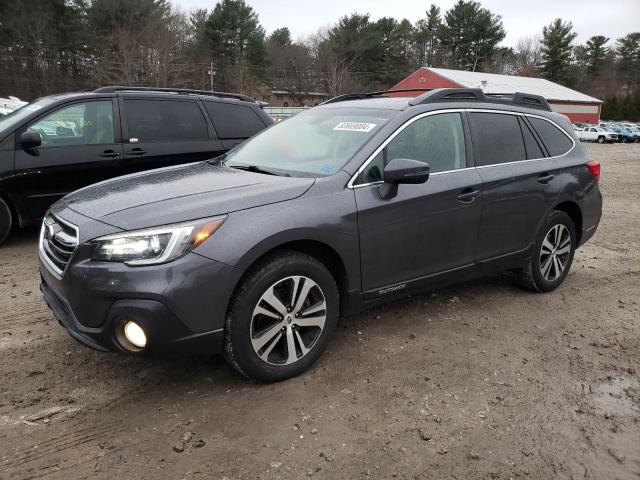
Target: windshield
(318, 142)
(21, 113)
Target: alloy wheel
(555, 252)
(288, 320)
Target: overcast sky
(520, 17)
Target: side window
(436, 139)
(530, 143)
(556, 141)
(233, 121)
(89, 123)
(497, 138)
(165, 120)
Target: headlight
(154, 245)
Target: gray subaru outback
(258, 253)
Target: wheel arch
(575, 213)
(321, 251)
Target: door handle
(545, 178)
(468, 195)
(136, 151)
(109, 154)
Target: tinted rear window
(530, 143)
(556, 141)
(497, 138)
(165, 120)
(234, 121)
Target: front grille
(58, 242)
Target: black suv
(61, 143)
(257, 254)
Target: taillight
(594, 169)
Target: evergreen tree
(471, 34)
(596, 54)
(426, 38)
(628, 57)
(236, 42)
(556, 50)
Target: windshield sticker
(327, 168)
(355, 127)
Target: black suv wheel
(281, 318)
(5, 220)
(552, 254)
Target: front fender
(329, 218)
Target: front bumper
(181, 305)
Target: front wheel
(281, 318)
(552, 254)
(5, 220)
(601, 139)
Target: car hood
(177, 194)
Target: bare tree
(527, 56)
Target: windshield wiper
(257, 169)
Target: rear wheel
(552, 254)
(6, 220)
(281, 317)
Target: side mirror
(402, 170)
(30, 140)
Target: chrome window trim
(353, 178)
(55, 271)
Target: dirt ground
(482, 380)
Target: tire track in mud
(61, 451)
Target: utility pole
(211, 73)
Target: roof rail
(440, 95)
(181, 91)
(363, 95)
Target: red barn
(575, 105)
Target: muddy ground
(482, 380)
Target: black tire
(6, 220)
(601, 139)
(276, 272)
(532, 276)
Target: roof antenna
(484, 84)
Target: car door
(160, 132)
(81, 145)
(518, 182)
(426, 228)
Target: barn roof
(511, 84)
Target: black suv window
(530, 142)
(234, 121)
(435, 139)
(497, 138)
(87, 123)
(556, 141)
(165, 120)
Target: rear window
(556, 141)
(530, 143)
(497, 138)
(165, 120)
(234, 121)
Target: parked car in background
(257, 254)
(596, 134)
(61, 143)
(624, 134)
(11, 103)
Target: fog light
(134, 333)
